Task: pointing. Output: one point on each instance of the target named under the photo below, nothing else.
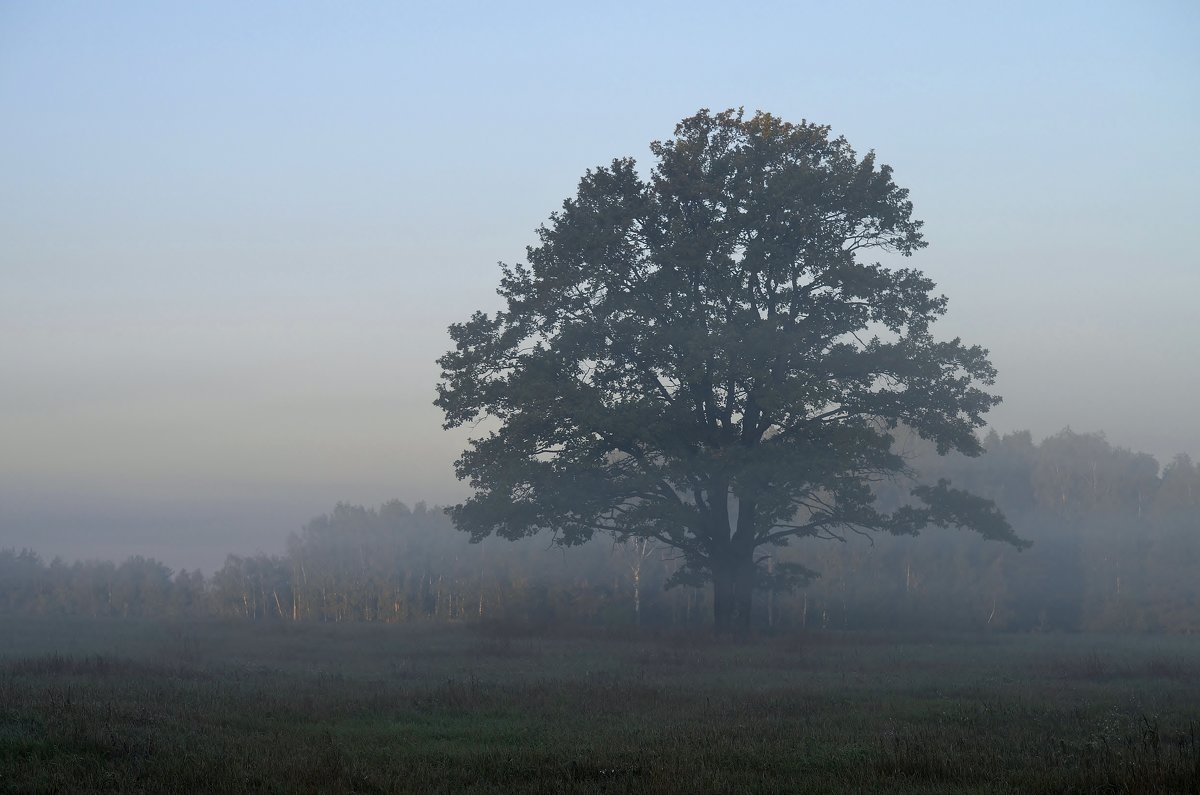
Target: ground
(188, 707)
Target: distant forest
(1116, 548)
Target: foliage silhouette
(703, 358)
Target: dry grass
(233, 708)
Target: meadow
(126, 706)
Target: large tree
(702, 357)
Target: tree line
(1116, 547)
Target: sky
(232, 235)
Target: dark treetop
(705, 358)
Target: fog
(1114, 549)
(231, 240)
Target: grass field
(121, 706)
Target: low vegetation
(106, 705)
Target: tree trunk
(723, 598)
(733, 592)
(637, 595)
(743, 596)
(771, 596)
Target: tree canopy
(705, 357)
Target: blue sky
(232, 235)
